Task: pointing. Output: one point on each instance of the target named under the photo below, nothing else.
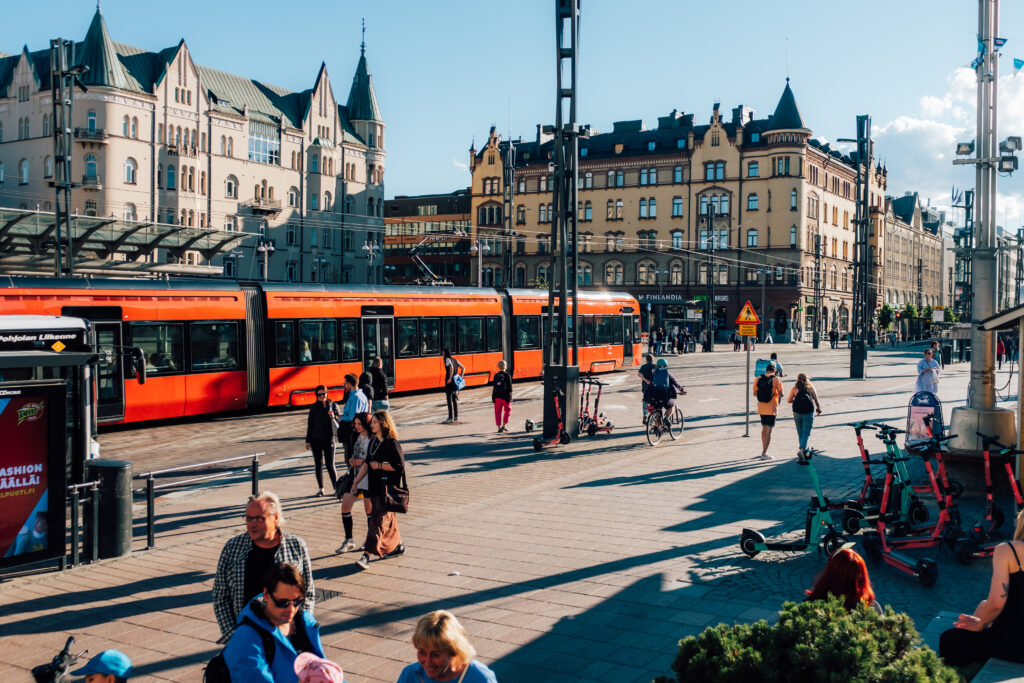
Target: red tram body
(218, 346)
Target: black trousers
(451, 395)
(323, 453)
(959, 647)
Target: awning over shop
(28, 240)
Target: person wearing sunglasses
(321, 426)
(247, 558)
(273, 630)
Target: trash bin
(115, 507)
(947, 355)
(691, 347)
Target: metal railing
(94, 528)
(86, 134)
(151, 485)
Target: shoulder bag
(396, 494)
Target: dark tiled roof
(362, 100)
(99, 54)
(787, 114)
(903, 207)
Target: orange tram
(220, 346)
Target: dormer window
(583, 151)
(755, 137)
(650, 146)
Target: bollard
(255, 474)
(111, 508)
(74, 526)
(95, 522)
(150, 513)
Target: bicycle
(663, 420)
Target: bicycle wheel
(675, 423)
(655, 429)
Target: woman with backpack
(805, 406)
(452, 367)
(501, 396)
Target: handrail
(151, 486)
(94, 527)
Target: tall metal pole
(62, 53)
(863, 299)
(980, 414)
(508, 159)
(1020, 267)
(764, 314)
(816, 323)
(709, 308)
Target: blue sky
(445, 72)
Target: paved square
(581, 563)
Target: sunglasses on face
(283, 603)
(320, 395)
(257, 518)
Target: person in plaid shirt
(246, 558)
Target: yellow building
(644, 199)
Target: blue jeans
(804, 422)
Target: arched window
(48, 167)
(792, 200)
(542, 274)
(293, 196)
(202, 182)
(676, 273)
(23, 172)
(135, 127)
(91, 121)
(191, 179)
(46, 125)
(160, 175)
(125, 126)
(177, 136)
(327, 202)
(231, 187)
(130, 169)
(348, 204)
(129, 212)
(170, 176)
(313, 163)
(223, 145)
(752, 238)
(90, 166)
(231, 147)
(792, 236)
(646, 274)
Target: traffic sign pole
(748, 322)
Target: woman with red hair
(845, 576)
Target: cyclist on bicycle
(663, 389)
(646, 374)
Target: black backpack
(765, 389)
(217, 669)
(802, 403)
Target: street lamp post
(372, 250)
(266, 248)
(479, 248)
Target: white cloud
(460, 164)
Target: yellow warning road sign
(747, 315)
(748, 330)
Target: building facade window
(752, 238)
(130, 171)
(792, 236)
(230, 186)
(751, 202)
(677, 239)
(677, 207)
(677, 174)
(91, 169)
(752, 170)
(792, 201)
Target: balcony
(91, 183)
(264, 206)
(94, 135)
(175, 150)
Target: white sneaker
(800, 453)
(363, 562)
(448, 421)
(345, 547)
(765, 456)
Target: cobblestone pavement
(582, 563)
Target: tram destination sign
(43, 340)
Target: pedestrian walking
(380, 385)
(704, 340)
(501, 395)
(385, 462)
(1000, 353)
(444, 653)
(928, 371)
(804, 400)
(893, 339)
(935, 353)
(778, 366)
(452, 367)
(247, 558)
(735, 339)
(321, 425)
(360, 447)
(355, 402)
(685, 340)
(274, 629)
(768, 391)
(672, 335)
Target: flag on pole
(1017, 64)
(998, 43)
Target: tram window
(448, 336)
(284, 343)
(214, 346)
(319, 341)
(471, 335)
(587, 323)
(528, 332)
(408, 337)
(494, 334)
(636, 329)
(349, 340)
(608, 329)
(430, 342)
(162, 346)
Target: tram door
(379, 340)
(627, 339)
(109, 375)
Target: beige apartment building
(644, 199)
(913, 255)
(162, 139)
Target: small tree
(909, 311)
(812, 641)
(885, 316)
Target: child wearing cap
(109, 666)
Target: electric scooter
(903, 504)
(595, 422)
(819, 529)
(561, 436)
(982, 540)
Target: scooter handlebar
(991, 440)
(861, 425)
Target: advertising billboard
(32, 471)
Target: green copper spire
(98, 53)
(362, 101)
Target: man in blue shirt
(355, 402)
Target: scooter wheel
(965, 551)
(998, 517)
(927, 573)
(529, 425)
(872, 544)
(956, 489)
(918, 513)
(851, 520)
(591, 429)
(538, 444)
(564, 438)
(749, 540)
(833, 542)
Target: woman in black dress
(384, 460)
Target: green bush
(815, 641)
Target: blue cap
(108, 662)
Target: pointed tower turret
(98, 53)
(362, 101)
(787, 114)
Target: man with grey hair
(246, 558)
